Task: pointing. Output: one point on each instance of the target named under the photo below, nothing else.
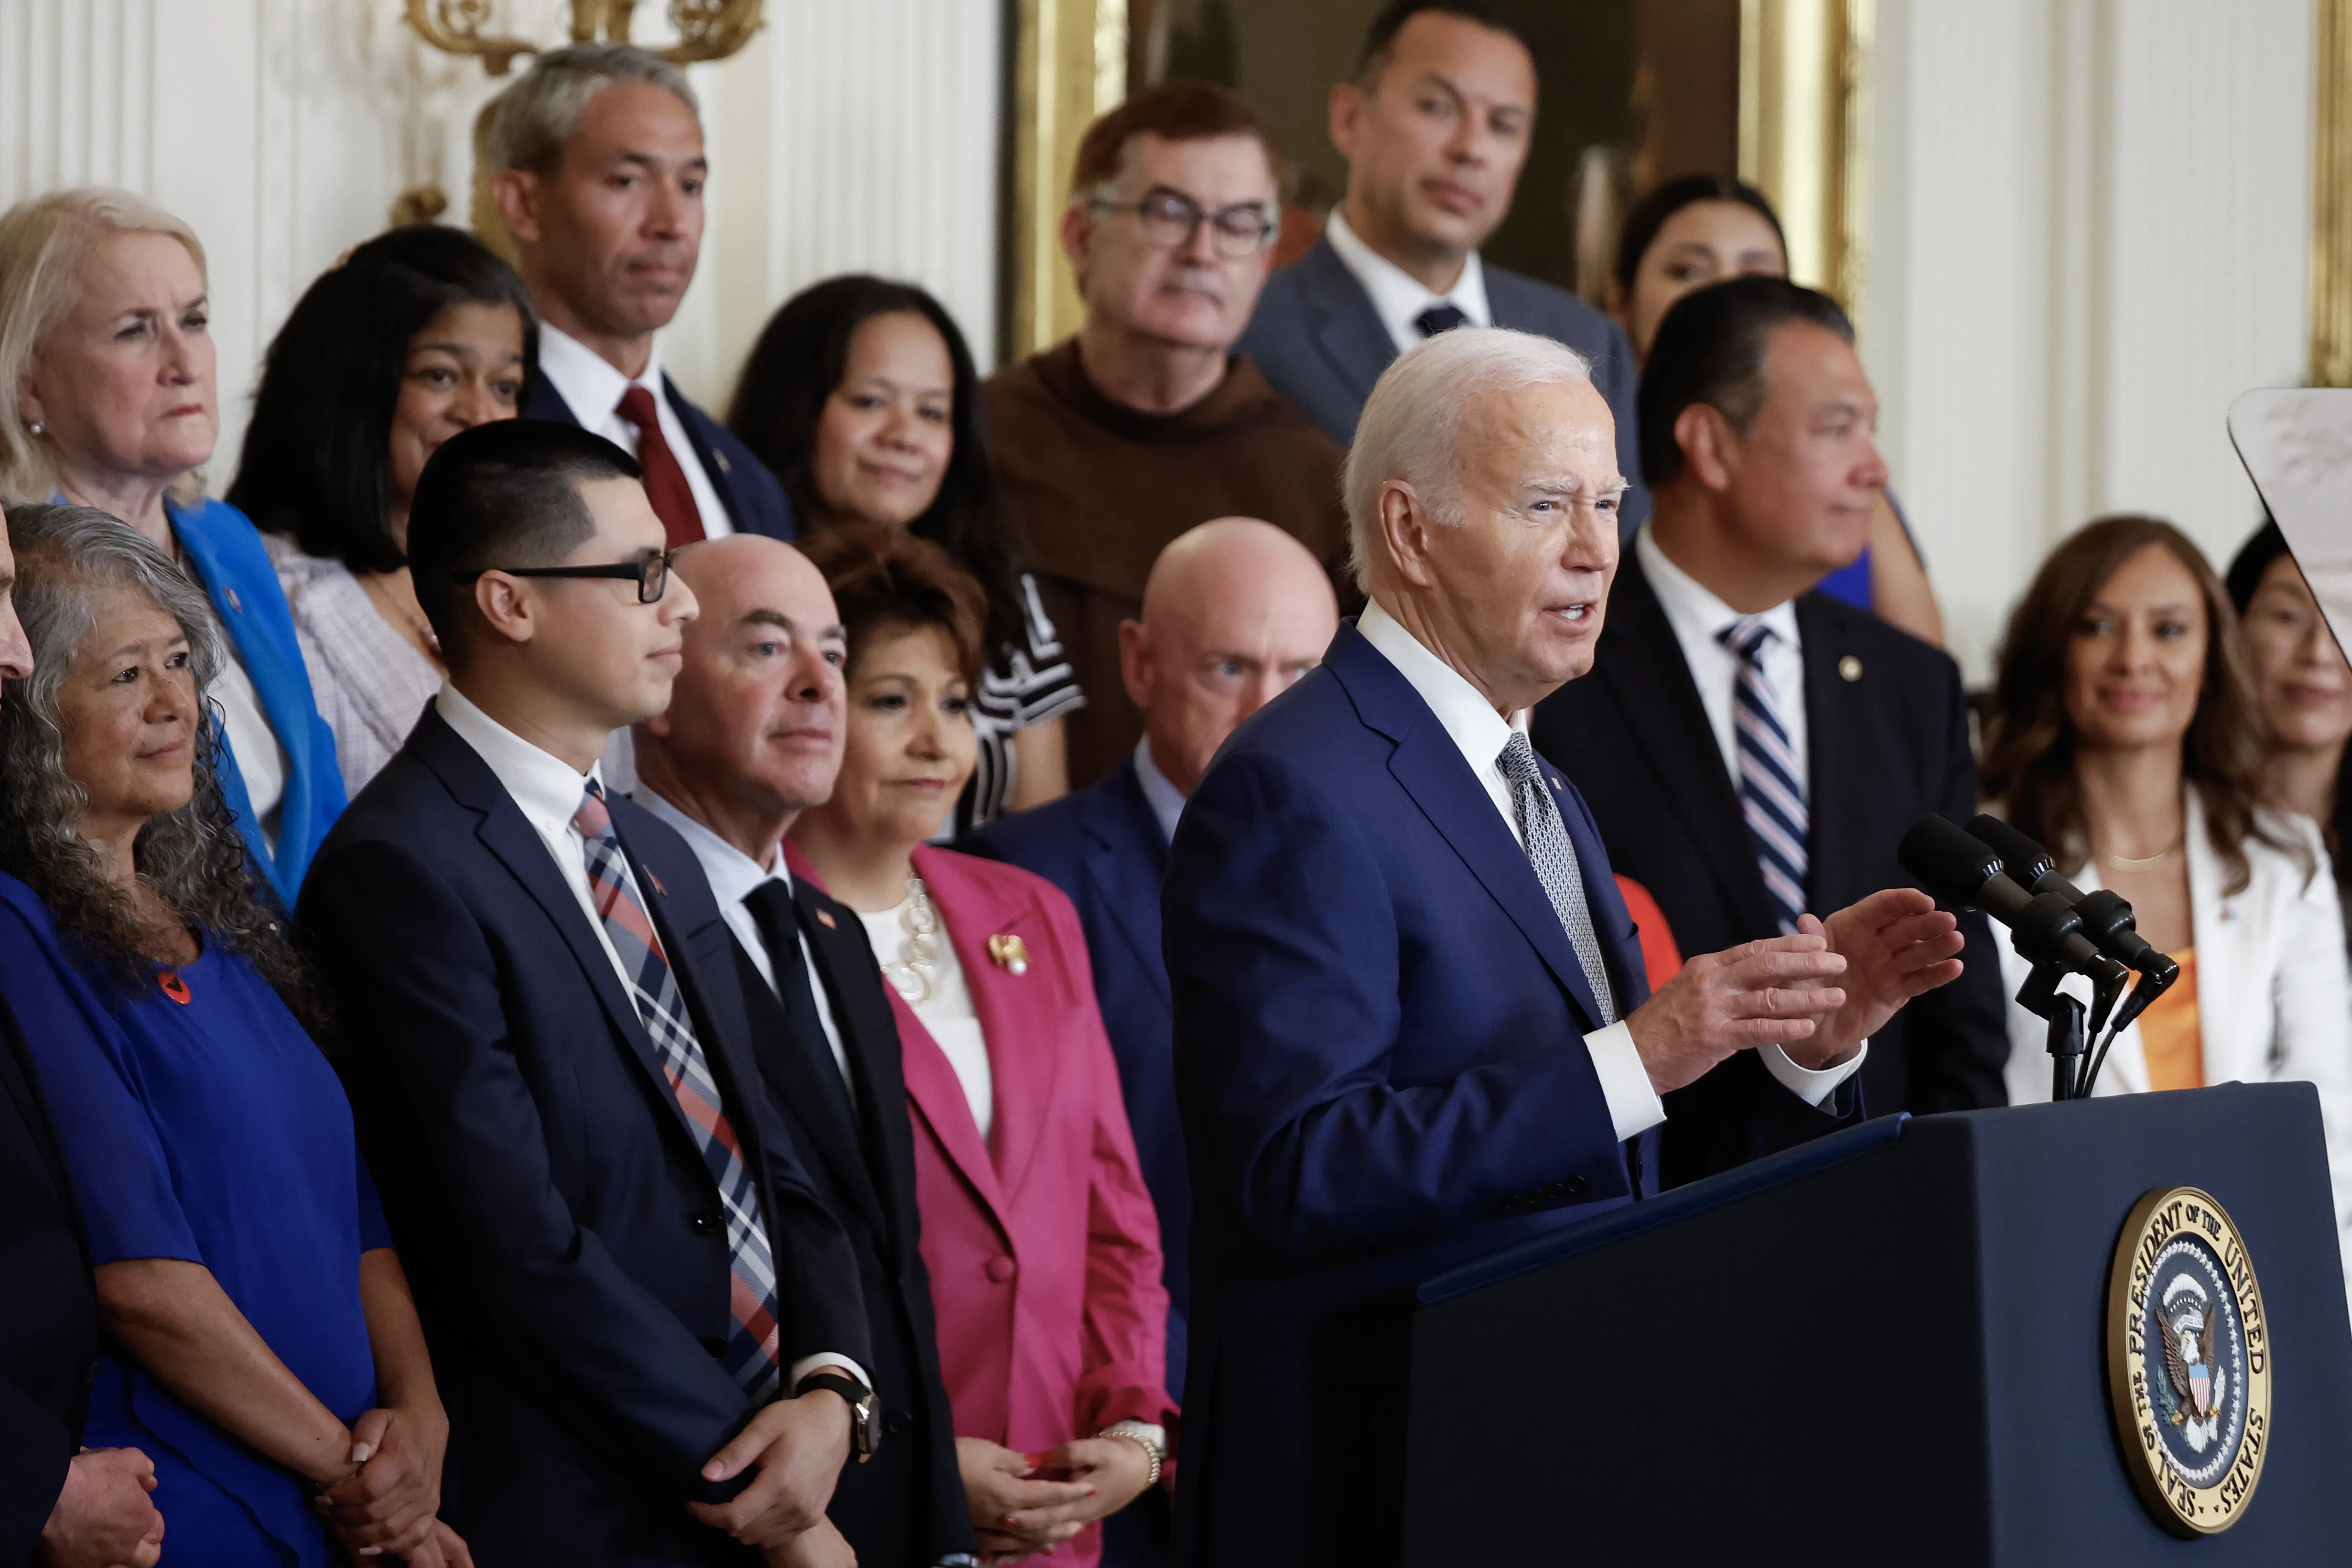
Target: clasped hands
(798, 1446)
(387, 1503)
(1817, 995)
(1026, 1503)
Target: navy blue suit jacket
(754, 499)
(1103, 847)
(556, 1217)
(1318, 339)
(1379, 1057)
(48, 1316)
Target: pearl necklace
(919, 957)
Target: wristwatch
(864, 1409)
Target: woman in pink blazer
(1039, 1235)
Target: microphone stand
(2039, 995)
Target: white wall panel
(2092, 232)
(845, 136)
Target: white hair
(1411, 428)
(45, 245)
(532, 119)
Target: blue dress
(201, 1122)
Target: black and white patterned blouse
(1019, 687)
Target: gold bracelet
(1150, 1450)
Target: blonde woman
(105, 340)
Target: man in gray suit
(1435, 128)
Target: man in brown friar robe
(1112, 443)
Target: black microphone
(2107, 918)
(1961, 869)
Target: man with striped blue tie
(1754, 750)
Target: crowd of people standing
(588, 982)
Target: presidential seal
(2188, 1362)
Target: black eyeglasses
(651, 574)
(1171, 218)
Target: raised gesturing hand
(1897, 945)
(1774, 992)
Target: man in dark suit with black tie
(1436, 127)
(1234, 613)
(751, 738)
(597, 168)
(1751, 749)
(646, 1324)
(1412, 1026)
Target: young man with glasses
(648, 1327)
(1146, 423)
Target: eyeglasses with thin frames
(1170, 220)
(650, 573)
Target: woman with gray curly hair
(263, 1344)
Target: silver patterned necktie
(1554, 858)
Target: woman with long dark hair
(417, 334)
(2126, 739)
(1700, 230)
(862, 396)
(2304, 688)
(262, 1345)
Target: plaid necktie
(1770, 795)
(1553, 854)
(752, 1357)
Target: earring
(38, 428)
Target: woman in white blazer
(2127, 739)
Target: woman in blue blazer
(117, 409)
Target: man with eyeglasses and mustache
(1146, 423)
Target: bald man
(1234, 612)
(751, 738)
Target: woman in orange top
(2128, 741)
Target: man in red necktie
(599, 177)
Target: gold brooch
(1009, 953)
(1849, 667)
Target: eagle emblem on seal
(2198, 1384)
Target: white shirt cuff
(1810, 1086)
(809, 1363)
(1633, 1104)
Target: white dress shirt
(260, 758)
(1696, 616)
(1166, 801)
(1398, 297)
(593, 389)
(734, 876)
(1480, 733)
(548, 790)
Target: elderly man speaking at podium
(1412, 1026)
